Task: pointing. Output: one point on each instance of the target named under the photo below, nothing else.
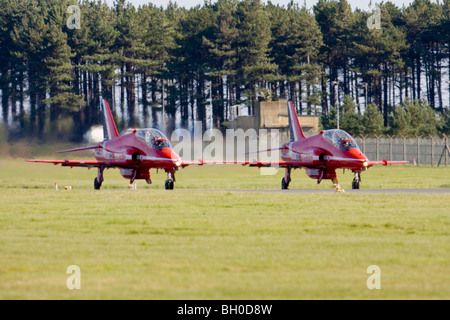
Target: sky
(361, 4)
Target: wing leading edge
(75, 163)
(384, 162)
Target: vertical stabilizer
(109, 126)
(295, 129)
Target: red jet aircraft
(320, 154)
(134, 153)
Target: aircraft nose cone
(357, 154)
(170, 154)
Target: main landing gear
(336, 185)
(331, 175)
(99, 179)
(170, 180)
(287, 179)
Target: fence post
(418, 149)
(445, 151)
(390, 147)
(378, 148)
(446, 154)
(363, 143)
(432, 150)
(404, 148)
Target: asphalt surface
(296, 191)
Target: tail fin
(295, 129)
(109, 126)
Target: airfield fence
(417, 150)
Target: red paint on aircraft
(134, 153)
(320, 155)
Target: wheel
(97, 184)
(284, 185)
(355, 184)
(169, 185)
(356, 181)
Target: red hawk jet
(134, 153)
(320, 154)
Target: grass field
(219, 244)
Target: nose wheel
(168, 184)
(356, 180)
(97, 184)
(284, 184)
(170, 181)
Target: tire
(97, 185)
(168, 185)
(284, 185)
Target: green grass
(219, 244)
(36, 175)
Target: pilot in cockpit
(346, 144)
(158, 144)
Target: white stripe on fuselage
(342, 159)
(315, 158)
(152, 158)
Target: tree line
(394, 78)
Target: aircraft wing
(277, 164)
(185, 163)
(80, 149)
(384, 162)
(254, 163)
(75, 163)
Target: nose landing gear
(170, 180)
(356, 180)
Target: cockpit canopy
(340, 139)
(154, 138)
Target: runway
(312, 191)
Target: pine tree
(423, 119)
(378, 56)
(400, 123)
(372, 121)
(336, 21)
(222, 48)
(157, 40)
(253, 63)
(223, 51)
(6, 15)
(28, 31)
(62, 98)
(350, 120)
(446, 42)
(191, 56)
(294, 48)
(94, 62)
